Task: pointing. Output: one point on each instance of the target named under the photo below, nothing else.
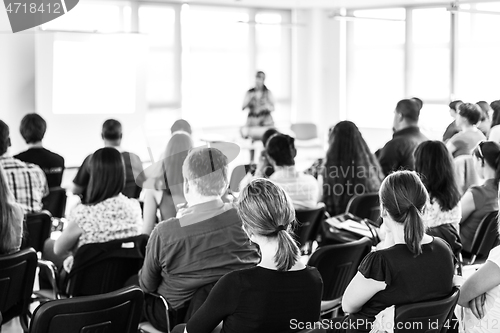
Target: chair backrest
(449, 234)
(486, 236)
(237, 176)
(430, 316)
(38, 227)
(17, 275)
(305, 131)
(55, 202)
(308, 223)
(365, 206)
(118, 311)
(338, 264)
(104, 267)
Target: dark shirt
(132, 162)
(51, 163)
(186, 253)
(260, 300)
(398, 153)
(409, 279)
(450, 131)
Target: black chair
(429, 317)
(115, 312)
(38, 227)
(55, 202)
(307, 227)
(237, 176)
(337, 265)
(365, 206)
(17, 275)
(103, 267)
(485, 238)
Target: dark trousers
(154, 312)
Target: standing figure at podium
(260, 103)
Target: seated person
(112, 136)
(405, 270)
(484, 124)
(350, 168)
(398, 153)
(181, 125)
(480, 296)
(33, 129)
(11, 219)
(452, 128)
(106, 214)
(494, 134)
(480, 200)
(168, 188)
(26, 181)
(463, 142)
(264, 298)
(204, 242)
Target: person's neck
(489, 173)
(196, 199)
(468, 128)
(37, 144)
(287, 168)
(406, 125)
(112, 144)
(268, 250)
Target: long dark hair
(350, 167)
(177, 150)
(434, 164)
(489, 152)
(8, 239)
(495, 105)
(107, 175)
(265, 209)
(404, 197)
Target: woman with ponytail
(480, 200)
(404, 270)
(279, 290)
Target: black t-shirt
(51, 163)
(409, 279)
(132, 161)
(261, 300)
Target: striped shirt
(302, 188)
(27, 182)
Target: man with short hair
(398, 152)
(193, 250)
(33, 128)
(452, 128)
(181, 125)
(112, 137)
(26, 181)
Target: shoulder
(494, 255)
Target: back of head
(268, 134)
(489, 152)
(434, 164)
(281, 148)
(180, 125)
(177, 150)
(495, 105)
(107, 175)
(7, 232)
(403, 196)
(419, 102)
(33, 128)
(409, 110)
(471, 112)
(206, 169)
(485, 110)
(455, 104)
(112, 130)
(4, 137)
(266, 210)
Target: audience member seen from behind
(193, 250)
(12, 216)
(494, 134)
(398, 152)
(452, 128)
(480, 296)
(404, 271)
(168, 188)
(463, 142)
(106, 214)
(264, 298)
(112, 136)
(484, 124)
(33, 129)
(303, 189)
(480, 200)
(26, 181)
(350, 168)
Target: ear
(9, 143)
(102, 136)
